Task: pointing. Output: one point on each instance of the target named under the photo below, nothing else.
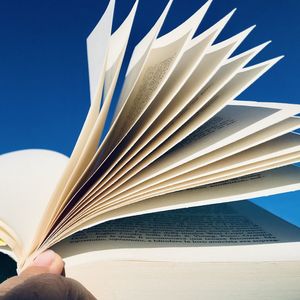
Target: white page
(268, 164)
(177, 281)
(163, 44)
(182, 34)
(184, 69)
(226, 125)
(210, 63)
(221, 78)
(255, 139)
(185, 183)
(139, 57)
(27, 179)
(118, 43)
(100, 36)
(239, 225)
(241, 81)
(155, 118)
(287, 144)
(285, 179)
(97, 50)
(257, 185)
(233, 123)
(235, 41)
(161, 61)
(261, 68)
(136, 66)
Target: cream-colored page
(96, 203)
(181, 76)
(164, 55)
(262, 136)
(281, 180)
(188, 62)
(252, 186)
(137, 65)
(27, 179)
(94, 41)
(101, 34)
(231, 174)
(184, 182)
(192, 56)
(263, 280)
(227, 229)
(230, 45)
(172, 42)
(139, 58)
(261, 68)
(270, 162)
(211, 173)
(157, 280)
(174, 95)
(279, 147)
(240, 82)
(141, 52)
(210, 64)
(233, 123)
(141, 193)
(117, 47)
(253, 140)
(231, 120)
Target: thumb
(47, 262)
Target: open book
(177, 140)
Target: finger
(46, 262)
(49, 286)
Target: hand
(43, 280)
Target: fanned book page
(178, 143)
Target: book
(163, 185)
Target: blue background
(44, 93)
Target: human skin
(44, 279)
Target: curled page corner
(146, 42)
(187, 27)
(97, 50)
(215, 29)
(120, 37)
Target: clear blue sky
(44, 94)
